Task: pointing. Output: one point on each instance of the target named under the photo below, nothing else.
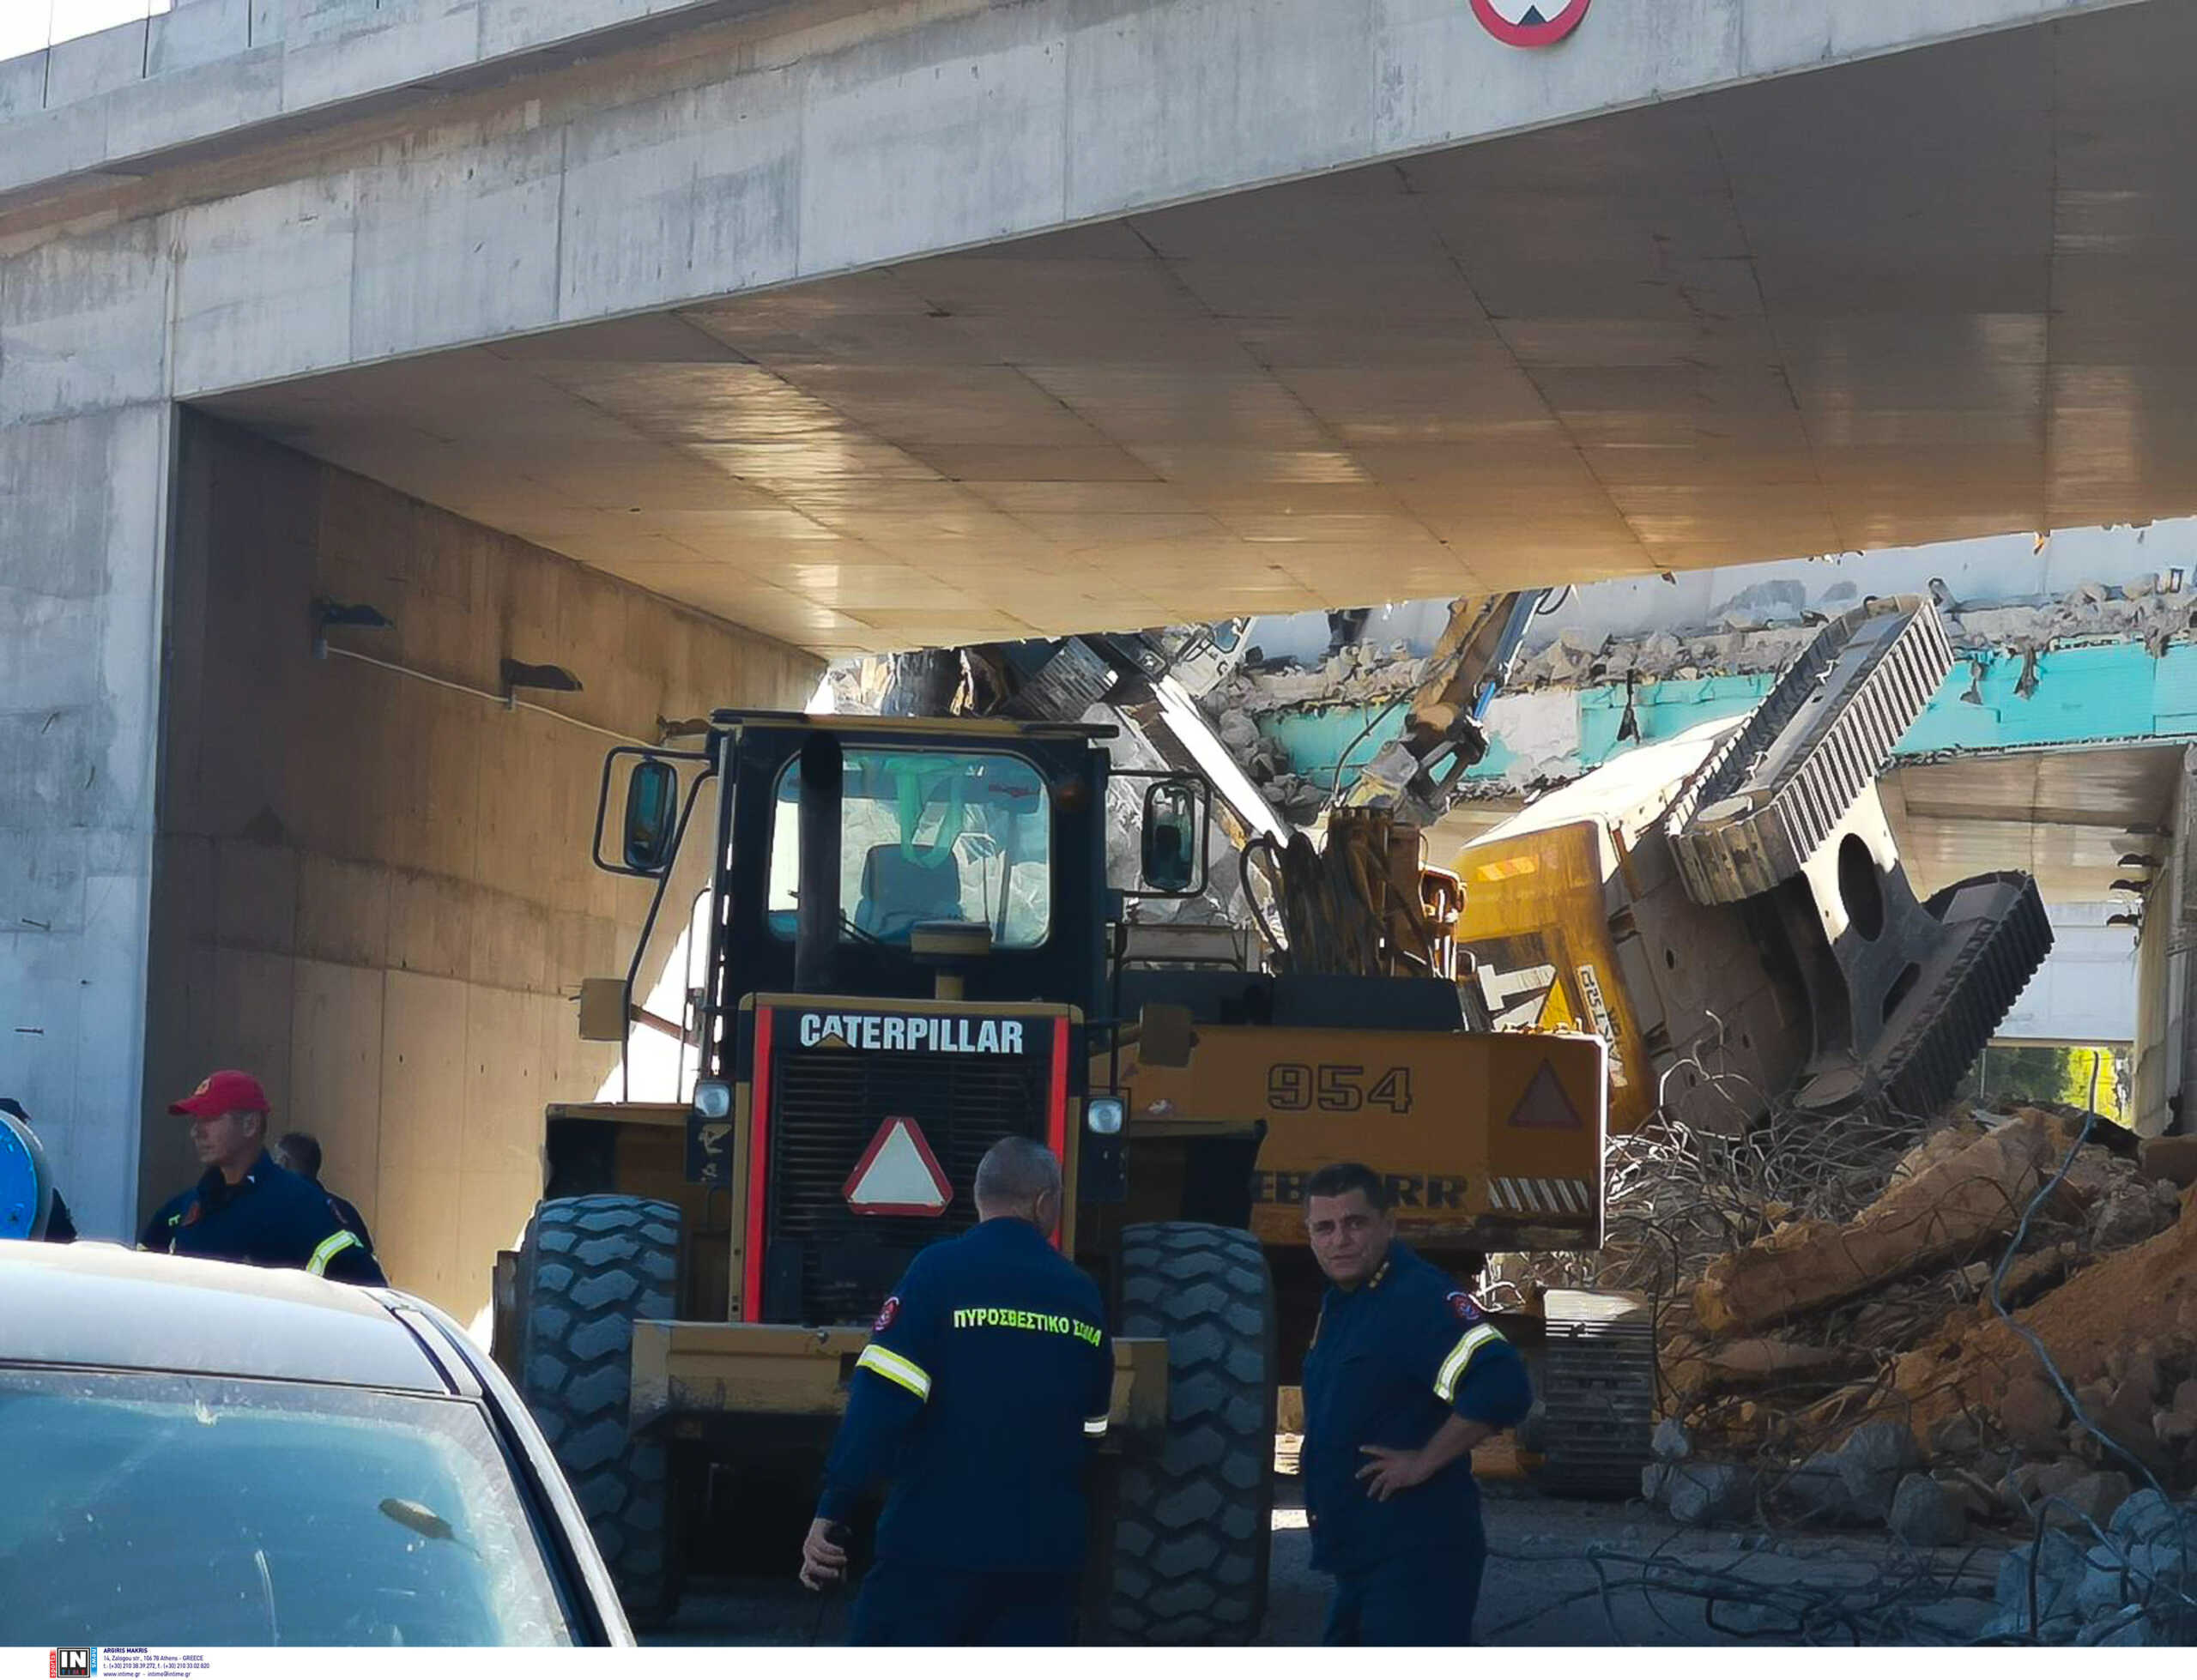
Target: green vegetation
(2007, 1073)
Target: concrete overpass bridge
(683, 342)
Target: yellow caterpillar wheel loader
(902, 946)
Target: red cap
(221, 1093)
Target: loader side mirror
(651, 808)
(1173, 858)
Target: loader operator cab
(924, 850)
(926, 835)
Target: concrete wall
(2086, 991)
(375, 892)
(81, 510)
(2166, 952)
(378, 179)
(2161, 985)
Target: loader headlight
(1103, 1115)
(713, 1099)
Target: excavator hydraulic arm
(1415, 773)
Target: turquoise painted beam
(2118, 692)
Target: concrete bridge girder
(1881, 303)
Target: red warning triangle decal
(898, 1174)
(1545, 1105)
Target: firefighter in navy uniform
(1404, 1377)
(981, 1393)
(245, 1207)
(159, 1229)
(299, 1153)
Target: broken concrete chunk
(1941, 1146)
(2148, 1292)
(2126, 1626)
(2093, 1499)
(1949, 1206)
(1970, 1491)
(2126, 1215)
(1670, 1443)
(2031, 1413)
(2092, 1175)
(1872, 1463)
(1237, 731)
(2135, 1368)
(1955, 1437)
(2030, 1276)
(2027, 1484)
(2178, 1421)
(2104, 1585)
(2174, 1159)
(1880, 1448)
(2145, 1515)
(2047, 1573)
(2054, 1479)
(1816, 1490)
(1707, 1493)
(1656, 1483)
(1760, 1358)
(1924, 1514)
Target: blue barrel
(25, 1191)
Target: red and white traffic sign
(1529, 23)
(898, 1174)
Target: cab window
(927, 835)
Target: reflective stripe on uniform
(1452, 1367)
(1095, 1426)
(894, 1369)
(329, 1250)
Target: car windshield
(152, 1509)
(927, 835)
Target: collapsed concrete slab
(2142, 1296)
(1946, 1208)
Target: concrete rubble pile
(1845, 1365)
(1765, 634)
(1759, 633)
(1359, 676)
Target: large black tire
(1194, 1521)
(589, 1267)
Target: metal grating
(826, 1105)
(1598, 1394)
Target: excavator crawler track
(1597, 1394)
(1778, 787)
(1936, 1035)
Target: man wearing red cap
(245, 1207)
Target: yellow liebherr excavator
(1728, 912)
